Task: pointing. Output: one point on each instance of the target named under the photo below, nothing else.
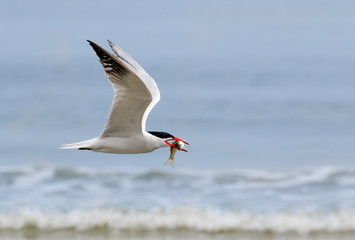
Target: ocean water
(264, 95)
(51, 198)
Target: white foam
(255, 178)
(302, 222)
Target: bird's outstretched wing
(135, 93)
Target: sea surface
(262, 91)
(126, 203)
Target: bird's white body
(135, 94)
(137, 144)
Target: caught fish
(170, 161)
(178, 145)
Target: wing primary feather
(108, 61)
(123, 56)
(135, 92)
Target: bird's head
(170, 140)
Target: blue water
(263, 92)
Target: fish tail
(170, 161)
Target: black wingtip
(96, 47)
(109, 62)
(91, 42)
(84, 148)
(94, 44)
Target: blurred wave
(48, 188)
(177, 219)
(245, 178)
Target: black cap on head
(161, 134)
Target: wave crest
(253, 178)
(209, 221)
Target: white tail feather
(84, 144)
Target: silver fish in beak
(177, 145)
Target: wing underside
(135, 93)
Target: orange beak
(176, 139)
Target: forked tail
(84, 145)
(170, 161)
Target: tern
(135, 95)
